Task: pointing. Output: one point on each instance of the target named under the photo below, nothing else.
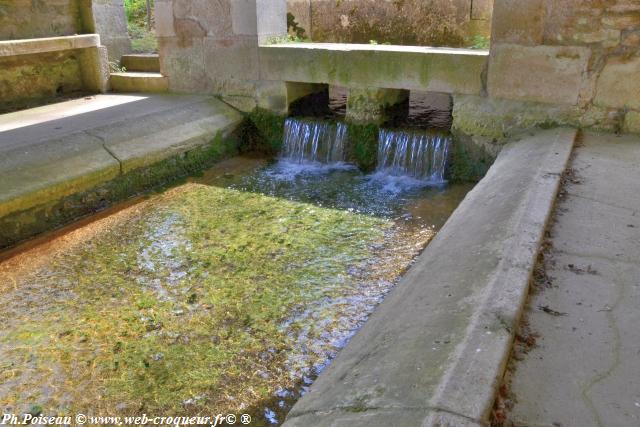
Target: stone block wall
(334, 20)
(25, 79)
(565, 62)
(27, 19)
(212, 47)
(109, 20)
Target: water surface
(227, 294)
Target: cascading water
(314, 141)
(421, 156)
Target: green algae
(32, 221)
(263, 132)
(363, 145)
(178, 308)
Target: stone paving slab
(437, 346)
(50, 152)
(585, 369)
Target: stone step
(139, 82)
(141, 62)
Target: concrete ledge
(378, 66)
(437, 346)
(139, 82)
(53, 152)
(48, 44)
(141, 62)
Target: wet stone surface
(227, 294)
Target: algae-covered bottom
(227, 294)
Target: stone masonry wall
(27, 79)
(27, 19)
(212, 47)
(567, 62)
(343, 20)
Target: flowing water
(227, 294)
(419, 155)
(314, 141)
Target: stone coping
(348, 47)
(434, 352)
(48, 44)
(428, 69)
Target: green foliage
(115, 67)
(289, 38)
(480, 42)
(363, 145)
(293, 28)
(124, 328)
(142, 40)
(263, 132)
(136, 11)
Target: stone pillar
(373, 105)
(94, 66)
(212, 47)
(107, 18)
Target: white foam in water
(314, 142)
(412, 158)
(406, 160)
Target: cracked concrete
(50, 152)
(585, 370)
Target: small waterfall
(314, 141)
(418, 155)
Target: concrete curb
(434, 352)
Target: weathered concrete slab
(434, 351)
(390, 67)
(50, 152)
(143, 141)
(585, 369)
(550, 74)
(48, 44)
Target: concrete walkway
(585, 369)
(58, 150)
(76, 144)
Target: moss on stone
(469, 162)
(179, 307)
(28, 223)
(363, 145)
(263, 132)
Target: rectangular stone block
(164, 18)
(518, 21)
(243, 17)
(391, 67)
(182, 61)
(550, 74)
(619, 84)
(237, 59)
(632, 122)
(94, 64)
(272, 19)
